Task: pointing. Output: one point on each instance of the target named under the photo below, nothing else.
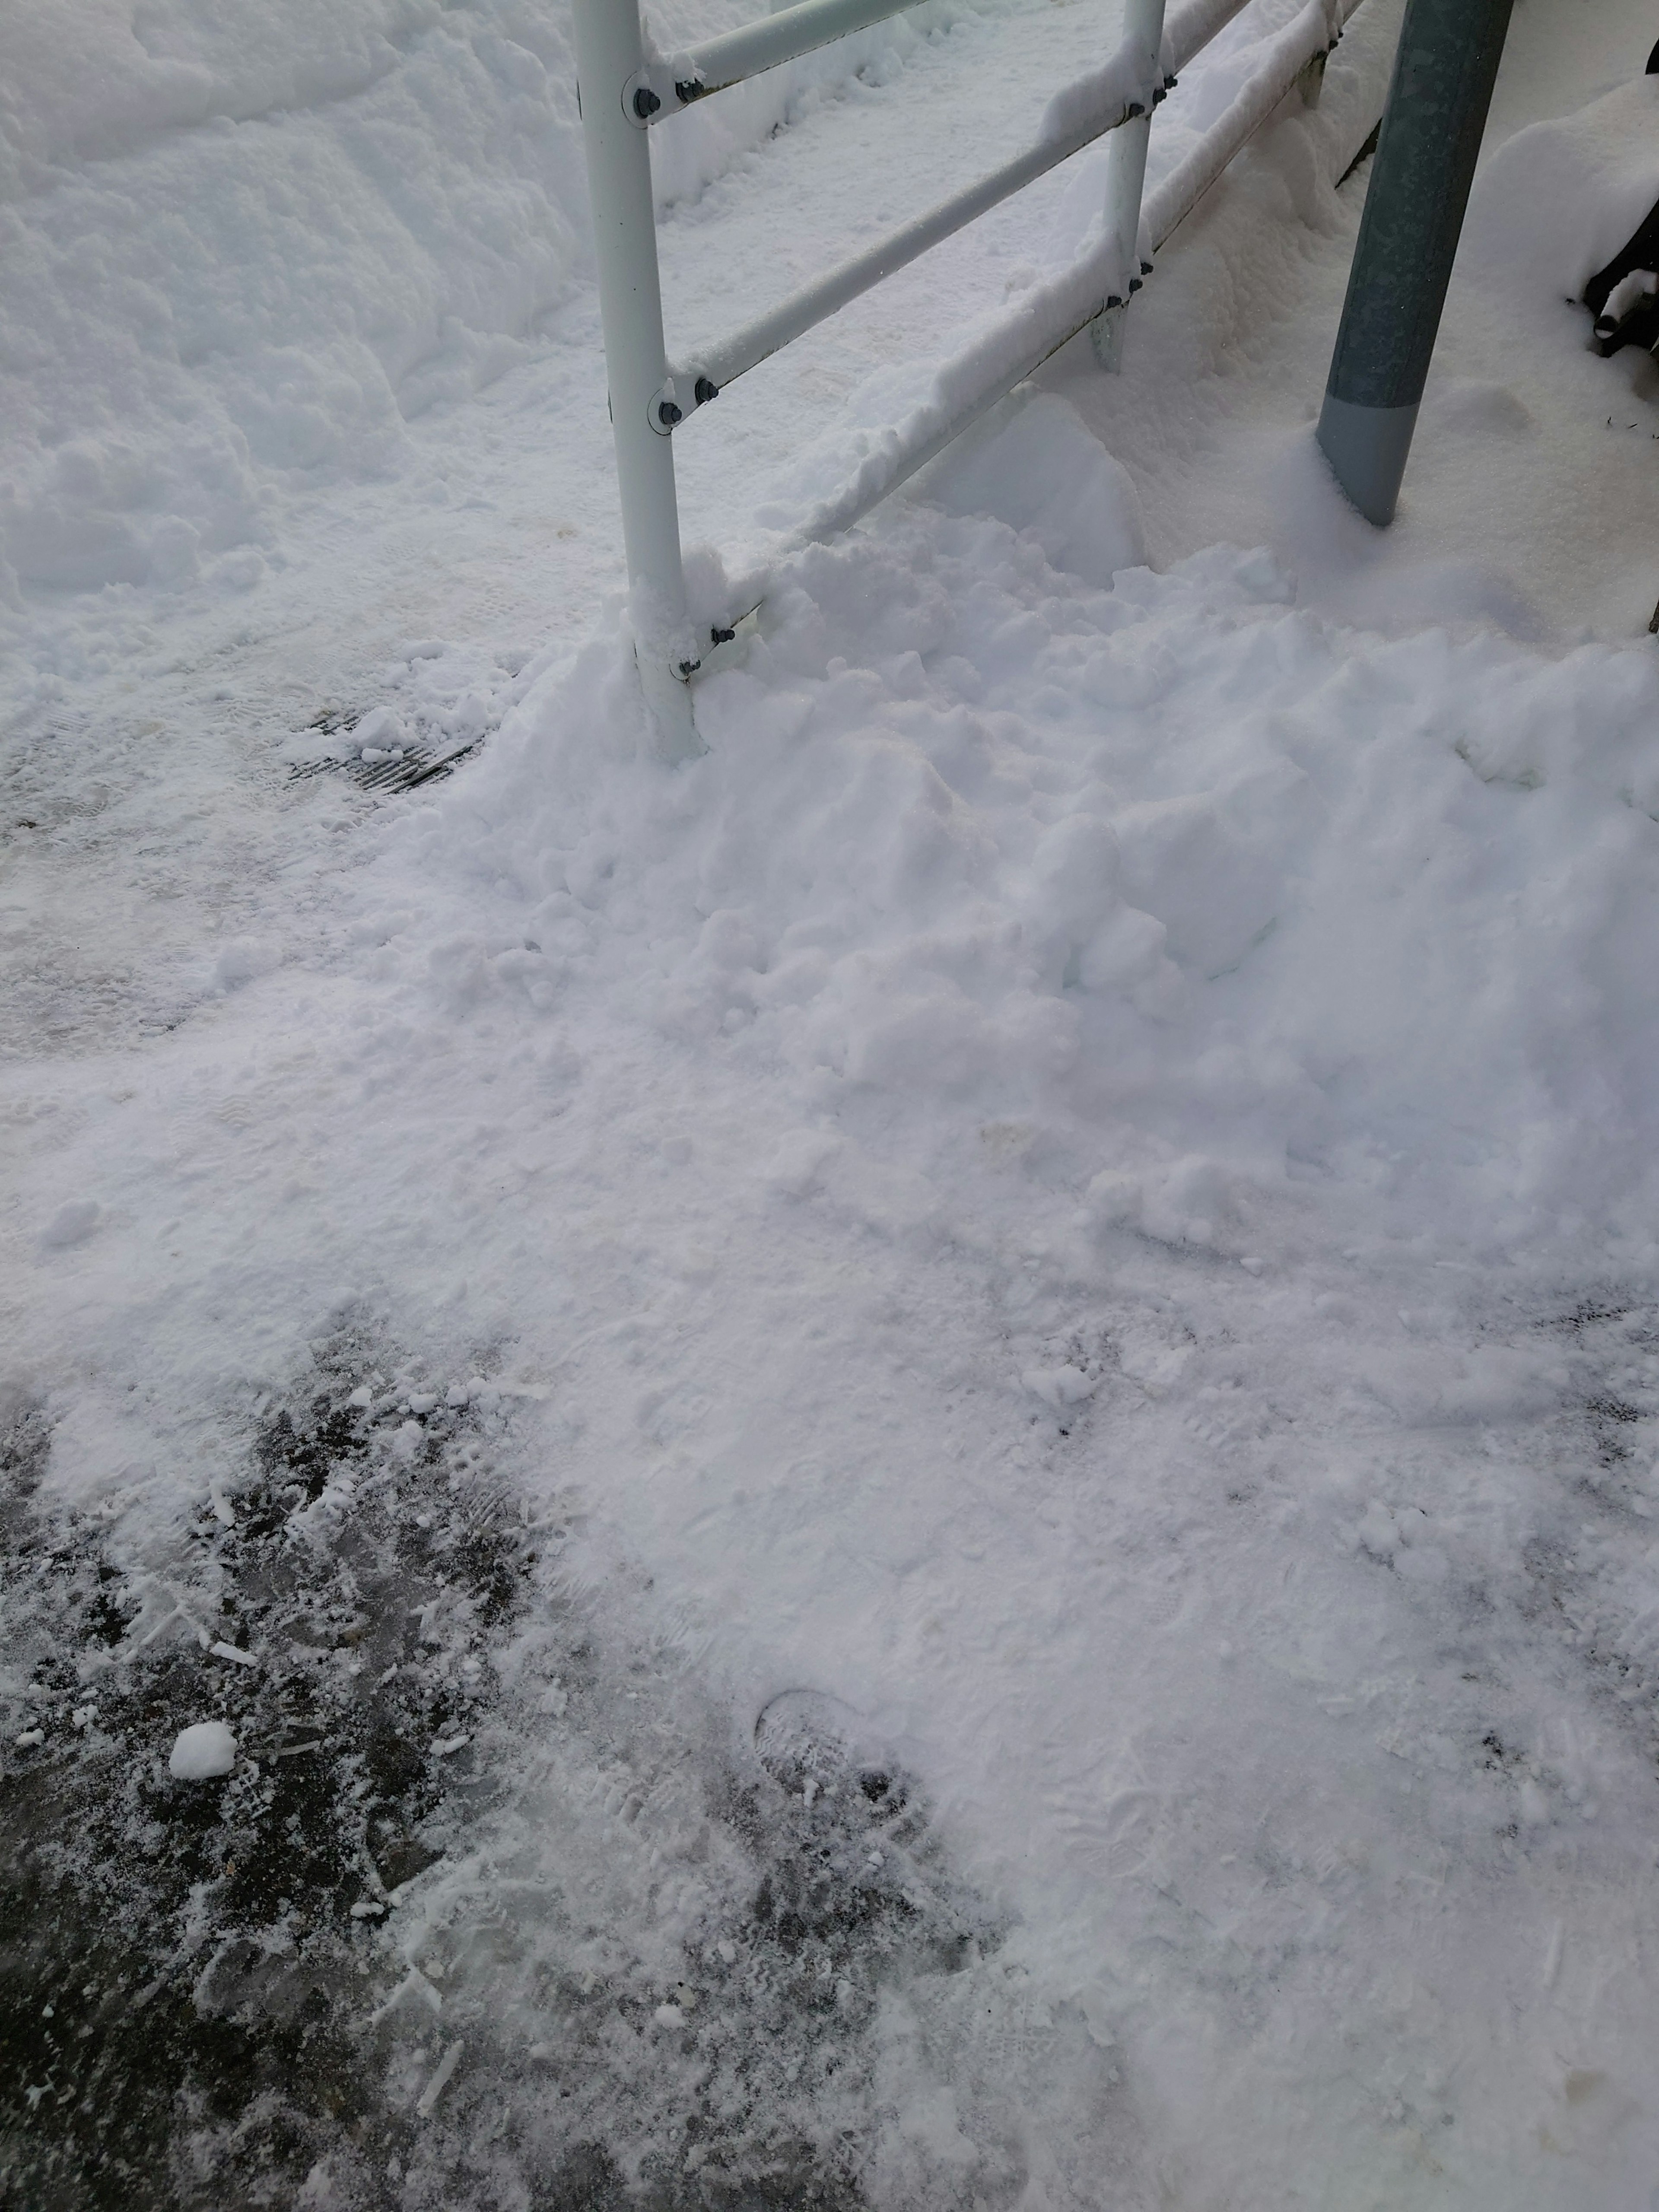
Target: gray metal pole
(1430, 135)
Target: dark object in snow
(1627, 312)
(1624, 297)
(1430, 134)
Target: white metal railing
(624, 90)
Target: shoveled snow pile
(1250, 911)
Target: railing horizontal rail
(626, 87)
(718, 365)
(766, 44)
(1187, 32)
(770, 40)
(1013, 346)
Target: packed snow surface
(918, 1465)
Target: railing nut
(646, 103)
(704, 390)
(667, 413)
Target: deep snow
(1075, 1200)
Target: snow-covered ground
(1068, 1220)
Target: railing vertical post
(1126, 174)
(609, 65)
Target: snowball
(201, 1752)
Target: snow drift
(238, 252)
(1558, 199)
(1240, 902)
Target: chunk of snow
(378, 734)
(1048, 477)
(201, 1752)
(1058, 1387)
(439, 2082)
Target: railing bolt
(703, 391)
(646, 104)
(667, 413)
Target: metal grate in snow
(402, 768)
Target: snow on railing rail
(709, 371)
(1009, 347)
(753, 48)
(624, 91)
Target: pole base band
(1367, 448)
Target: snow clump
(201, 1752)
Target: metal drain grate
(401, 768)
